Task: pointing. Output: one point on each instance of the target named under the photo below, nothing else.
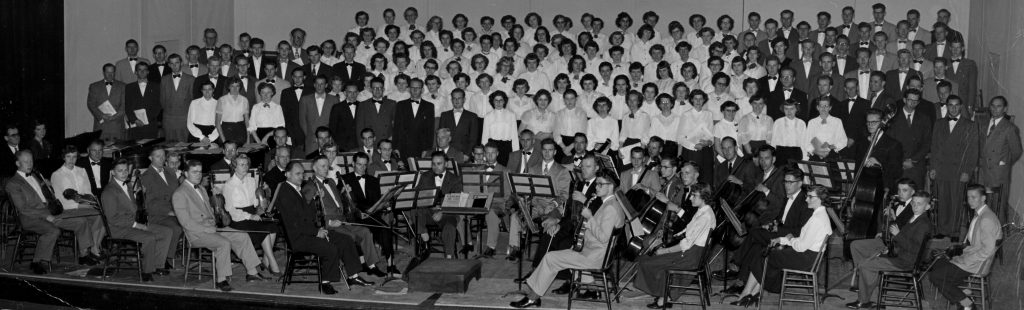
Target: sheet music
(626, 149)
(141, 115)
(107, 108)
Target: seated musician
(306, 234)
(887, 154)
(366, 140)
(323, 137)
(31, 195)
(639, 175)
(230, 152)
(735, 169)
(788, 215)
(575, 155)
(120, 208)
(548, 211)
(365, 191)
(246, 209)
(979, 250)
(907, 241)
(444, 140)
(599, 226)
(159, 184)
(192, 208)
(438, 177)
(339, 215)
(655, 150)
(173, 166)
(897, 213)
(651, 273)
(798, 252)
(274, 176)
(68, 176)
(499, 205)
(334, 168)
(386, 159)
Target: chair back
(922, 253)
(103, 217)
(821, 254)
(986, 267)
(610, 252)
(709, 248)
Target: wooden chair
(608, 282)
(907, 282)
(199, 256)
(25, 241)
(121, 253)
(798, 282)
(977, 286)
(703, 278)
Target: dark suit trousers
(448, 223)
(952, 215)
(947, 277)
(156, 244)
(650, 276)
(336, 249)
(170, 223)
(785, 258)
(749, 252)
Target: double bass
(864, 201)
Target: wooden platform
(444, 275)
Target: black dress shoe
(358, 281)
(859, 305)
(161, 272)
(854, 289)
(466, 249)
(168, 266)
(87, 260)
(40, 267)
(733, 290)
(488, 253)
(562, 290)
(147, 277)
(514, 254)
(254, 278)
(224, 286)
(394, 271)
(327, 289)
(728, 275)
(525, 303)
(376, 272)
(589, 294)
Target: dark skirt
(262, 131)
(650, 277)
(258, 229)
(670, 149)
(705, 159)
(756, 145)
(785, 258)
(205, 129)
(234, 132)
(788, 154)
(504, 149)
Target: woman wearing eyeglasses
(599, 226)
(789, 252)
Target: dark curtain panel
(32, 77)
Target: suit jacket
(26, 199)
(888, 61)
(120, 209)
(450, 183)
(124, 72)
(889, 153)
(892, 80)
(193, 210)
(797, 216)
(367, 116)
(298, 217)
(453, 153)
(792, 38)
(363, 197)
(285, 71)
(219, 87)
(201, 69)
(113, 128)
(885, 101)
(417, 131)
(805, 78)
(599, 229)
(274, 176)
(155, 76)
(203, 59)
(850, 65)
(331, 201)
(257, 70)
(855, 118)
(515, 160)
(930, 91)
(175, 102)
(1000, 148)
(8, 162)
(560, 179)
(310, 118)
(290, 107)
(838, 85)
(248, 88)
(967, 77)
(923, 35)
(764, 88)
(106, 164)
(778, 97)
(358, 70)
(977, 257)
(743, 168)
(150, 102)
(378, 165)
(649, 178)
(343, 125)
(776, 191)
(932, 50)
(323, 69)
(915, 137)
(909, 240)
(954, 152)
(467, 133)
(158, 191)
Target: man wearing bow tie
(365, 191)
(348, 69)
(414, 118)
(342, 119)
(142, 97)
(175, 99)
(954, 155)
(126, 66)
(377, 113)
(191, 66)
(209, 45)
(851, 108)
(499, 204)
(120, 208)
(940, 74)
(271, 76)
(159, 184)
(787, 91)
(939, 46)
(862, 72)
(213, 76)
(107, 93)
(915, 32)
(879, 24)
(897, 79)
(519, 161)
(446, 182)
(848, 28)
(918, 60)
(159, 67)
(257, 59)
(410, 16)
(768, 83)
(290, 98)
(965, 72)
(96, 167)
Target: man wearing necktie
(159, 184)
(120, 207)
(314, 111)
(954, 155)
(1000, 149)
(521, 160)
(8, 160)
(976, 257)
(558, 226)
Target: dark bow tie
(919, 61)
(95, 163)
(941, 43)
(133, 58)
(271, 81)
(125, 183)
(108, 83)
(377, 101)
(528, 153)
(773, 77)
(360, 177)
(266, 105)
(830, 46)
(865, 43)
(864, 72)
(348, 64)
(956, 60)
(412, 27)
(193, 66)
(844, 26)
(490, 166)
(788, 90)
(197, 187)
(953, 119)
(175, 76)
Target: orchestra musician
(364, 189)
(339, 215)
(438, 177)
(385, 159)
(887, 154)
(273, 177)
(651, 273)
(120, 206)
(499, 205)
(640, 174)
(246, 210)
(159, 184)
(948, 274)
(907, 240)
(898, 213)
(599, 228)
(734, 169)
(548, 211)
(799, 251)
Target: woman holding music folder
(244, 206)
(650, 276)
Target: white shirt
(96, 172)
(788, 132)
(789, 204)
(74, 178)
(695, 126)
(812, 234)
(266, 115)
(232, 108)
(974, 222)
(725, 128)
(538, 122)
(697, 231)
(586, 100)
(755, 127)
(500, 125)
(665, 127)
(715, 101)
(570, 121)
(240, 193)
(519, 105)
(537, 80)
(830, 132)
(202, 112)
(599, 130)
(638, 127)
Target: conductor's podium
(444, 275)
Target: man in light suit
(191, 65)
(377, 113)
(465, 125)
(414, 118)
(965, 72)
(30, 194)
(639, 175)
(105, 93)
(881, 58)
(930, 86)
(954, 155)
(444, 145)
(195, 214)
(175, 98)
(918, 60)
(315, 111)
(119, 207)
(499, 205)
(879, 24)
(948, 274)
(1000, 149)
(126, 66)
(520, 161)
(600, 224)
(159, 184)
(142, 95)
(916, 32)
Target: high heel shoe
(741, 302)
(754, 300)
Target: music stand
(819, 173)
(346, 159)
(526, 187)
(605, 162)
(423, 164)
(480, 182)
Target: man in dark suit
(102, 93)
(887, 154)
(377, 113)
(879, 98)
(12, 143)
(414, 118)
(768, 83)
(787, 91)
(845, 61)
(385, 159)
(940, 45)
(465, 125)
(159, 67)
(348, 69)
(342, 120)
(241, 69)
(290, 107)
(965, 72)
(142, 96)
(159, 184)
(787, 31)
(120, 208)
(213, 76)
(299, 219)
(97, 167)
(827, 61)
(735, 169)
(896, 80)
(365, 191)
(257, 58)
(446, 182)
(316, 68)
(284, 60)
(954, 156)
(578, 151)
(314, 112)
(276, 174)
(806, 67)
(175, 99)
(913, 130)
(209, 45)
(823, 86)
(521, 160)
(1000, 149)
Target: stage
(64, 287)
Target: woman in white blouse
(681, 99)
(570, 121)
(603, 130)
(665, 78)
(540, 120)
(71, 177)
(480, 100)
(636, 125)
(265, 115)
(797, 253)
(577, 70)
(665, 125)
(504, 74)
(202, 116)
(728, 127)
(233, 113)
(755, 129)
(695, 137)
(245, 207)
(688, 75)
(788, 134)
(499, 127)
(561, 84)
(520, 102)
(618, 97)
(755, 69)
(650, 93)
